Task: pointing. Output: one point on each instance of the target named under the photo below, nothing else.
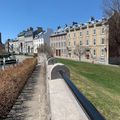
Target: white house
(41, 39)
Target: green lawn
(99, 83)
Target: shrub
(12, 80)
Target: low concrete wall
(51, 61)
(53, 71)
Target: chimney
(0, 38)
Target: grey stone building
(27, 41)
(58, 42)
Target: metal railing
(90, 110)
(8, 62)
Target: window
(87, 32)
(103, 30)
(12, 46)
(80, 42)
(87, 42)
(64, 44)
(51, 45)
(69, 35)
(69, 44)
(80, 33)
(59, 44)
(94, 41)
(94, 31)
(74, 35)
(94, 52)
(102, 51)
(74, 43)
(103, 41)
(64, 51)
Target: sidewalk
(32, 102)
(64, 106)
(63, 103)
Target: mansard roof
(29, 33)
(21, 33)
(77, 26)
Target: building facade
(28, 41)
(41, 39)
(94, 41)
(85, 42)
(58, 43)
(88, 42)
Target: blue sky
(17, 15)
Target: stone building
(88, 41)
(58, 42)
(28, 45)
(21, 42)
(14, 46)
(28, 41)
(94, 41)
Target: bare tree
(45, 49)
(111, 9)
(79, 51)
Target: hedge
(12, 80)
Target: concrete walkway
(64, 106)
(46, 99)
(32, 102)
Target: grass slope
(100, 84)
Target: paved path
(63, 103)
(31, 104)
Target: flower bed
(12, 80)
